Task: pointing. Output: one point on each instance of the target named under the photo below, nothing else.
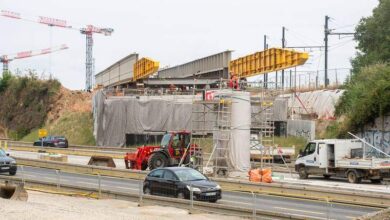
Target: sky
(175, 31)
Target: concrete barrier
(67, 151)
(85, 147)
(83, 169)
(281, 189)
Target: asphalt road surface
(301, 207)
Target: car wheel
(181, 195)
(353, 178)
(157, 160)
(302, 173)
(147, 191)
(12, 173)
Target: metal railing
(99, 189)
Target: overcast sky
(175, 31)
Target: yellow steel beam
(144, 67)
(270, 60)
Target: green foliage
(76, 126)
(373, 36)
(335, 129)
(4, 81)
(25, 102)
(367, 96)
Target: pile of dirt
(70, 115)
(69, 101)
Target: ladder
(198, 134)
(267, 131)
(222, 138)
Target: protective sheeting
(232, 145)
(319, 102)
(114, 118)
(241, 124)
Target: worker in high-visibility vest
(233, 81)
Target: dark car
(178, 181)
(52, 141)
(7, 164)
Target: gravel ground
(49, 206)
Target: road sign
(42, 133)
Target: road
(302, 207)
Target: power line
(327, 32)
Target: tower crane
(5, 59)
(88, 31)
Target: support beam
(271, 60)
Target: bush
(367, 96)
(25, 102)
(4, 81)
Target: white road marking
(120, 187)
(298, 210)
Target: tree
(5, 80)
(367, 93)
(367, 96)
(373, 37)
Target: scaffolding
(263, 124)
(212, 116)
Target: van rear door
(322, 155)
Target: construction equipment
(13, 191)
(5, 59)
(175, 149)
(88, 30)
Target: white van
(349, 158)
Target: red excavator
(175, 149)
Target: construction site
(229, 134)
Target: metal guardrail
(67, 151)
(192, 206)
(327, 194)
(84, 147)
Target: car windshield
(2, 153)
(189, 175)
(165, 140)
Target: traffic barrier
(329, 194)
(192, 206)
(85, 147)
(4, 144)
(78, 152)
(83, 169)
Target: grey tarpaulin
(117, 117)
